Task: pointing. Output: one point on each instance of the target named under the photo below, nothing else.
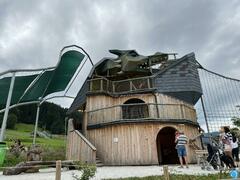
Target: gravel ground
(110, 172)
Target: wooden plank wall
(79, 148)
(101, 101)
(133, 144)
(175, 110)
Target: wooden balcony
(142, 112)
(100, 85)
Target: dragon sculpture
(129, 61)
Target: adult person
(181, 143)
(235, 149)
(226, 140)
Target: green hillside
(53, 148)
(23, 132)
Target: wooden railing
(123, 86)
(141, 111)
(78, 147)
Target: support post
(182, 112)
(85, 122)
(205, 114)
(206, 120)
(101, 85)
(36, 124)
(58, 170)
(156, 101)
(131, 86)
(4, 123)
(165, 172)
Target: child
(176, 135)
(181, 141)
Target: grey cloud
(33, 32)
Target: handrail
(124, 80)
(116, 87)
(136, 104)
(36, 102)
(25, 70)
(132, 79)
(85, 140)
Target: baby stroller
(213, 156)
(217, 158)
(212, 159)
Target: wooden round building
(132, 105)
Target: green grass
(22, 132)
(179, 177)
(53, 149)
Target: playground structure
(132, 105)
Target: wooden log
(165, 172)
(34, 166)
(58, 170)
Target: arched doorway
(134, 109)
(167, 154)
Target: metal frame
(4, 123)
(19, 104)
(25, 70)
(73, 45)
(41, 100)
(31, 84)
(38, 111)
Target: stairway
(99, 162)
(194, 146)
(192, 142)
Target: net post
(205, 114)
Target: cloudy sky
(33, 32)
